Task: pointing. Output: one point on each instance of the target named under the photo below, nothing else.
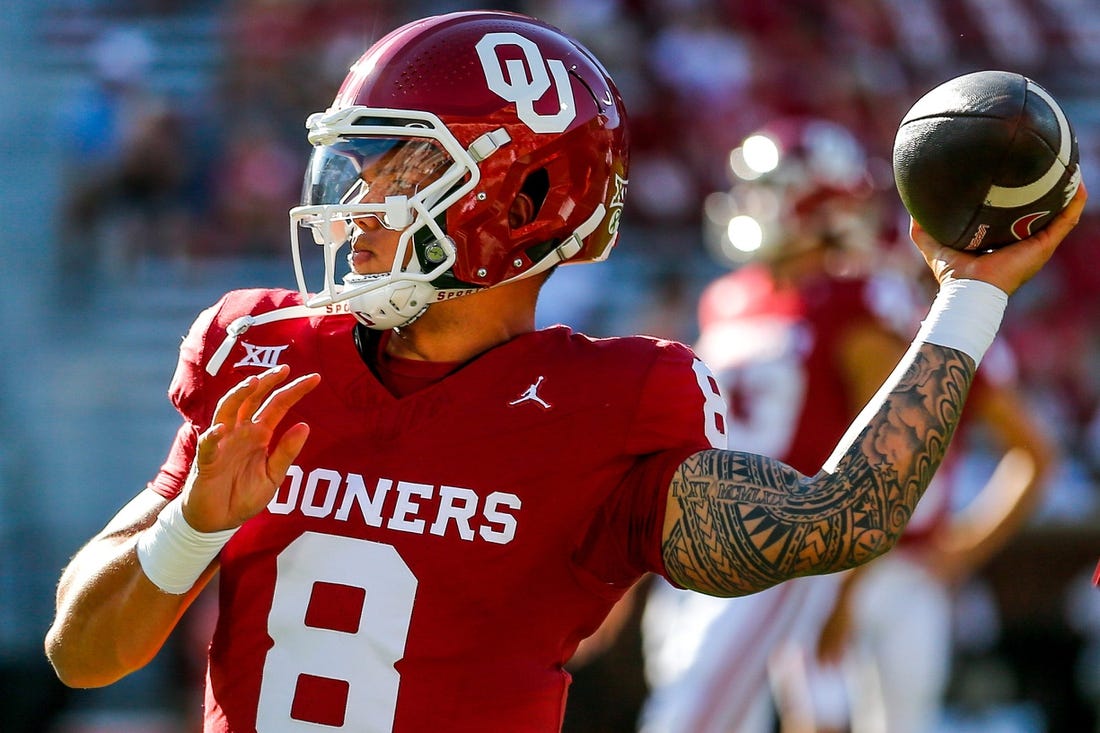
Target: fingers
(929, 247)
(284, 453)
(208, 445)
(1008, 267)
(255, 401)
(279, 402)
(1062, 224)
(248, 399)
(1012, 266)
(241, 402)
(1048, 239)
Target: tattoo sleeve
(740, 522)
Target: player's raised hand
(1008, 267)
(237, 469)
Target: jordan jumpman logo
(532, 395)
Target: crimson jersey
(430, 562)
(772, 347)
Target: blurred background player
(799, 335)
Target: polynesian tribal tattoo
(749, 521)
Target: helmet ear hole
(532, 194)
(536, 186)
(521, 212)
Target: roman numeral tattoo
(747, 522)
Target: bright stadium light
(761, 154)
(745, 233)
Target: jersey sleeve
(173, 472)
(680, 411)
(185, 394)
(193, 392)
(680, 405)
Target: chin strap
(242, 324)
(569, 247)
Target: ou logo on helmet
(527, 81)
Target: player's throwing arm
(737, 523)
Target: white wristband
(965, 315)
(174, 554)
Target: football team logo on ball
(985, 159)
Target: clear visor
(376, 177)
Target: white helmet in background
(796, 184)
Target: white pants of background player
(707, 659)
(896, 674)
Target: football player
(800, 334)
(416, 504)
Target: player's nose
(368, 222)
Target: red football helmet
(435, 131)
(796, 183)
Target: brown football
(985, 159)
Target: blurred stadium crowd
(177, 132)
